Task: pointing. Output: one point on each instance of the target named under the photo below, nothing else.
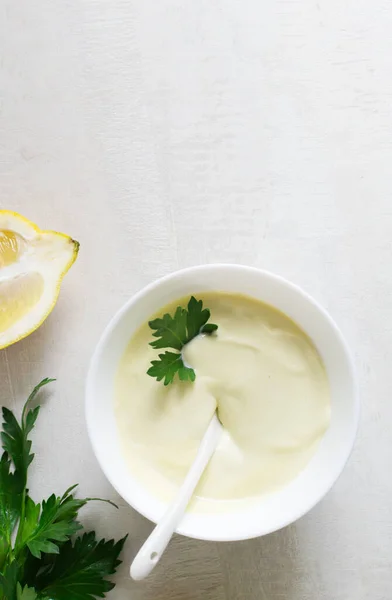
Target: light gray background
(168, 133)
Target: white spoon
(155, 545)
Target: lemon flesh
(32, 265)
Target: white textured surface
(168, 133)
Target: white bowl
(271, 512)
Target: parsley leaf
(80, 569)
(14, 436)
(54, 523)
(25, 593)
(197, 318)
(16, 448)
(171, 330)
(16, 444)
(174, 332)
(31, 564)
(11, 488)
(168, 365)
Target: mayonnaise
(263, 375)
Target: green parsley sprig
(44, 561)
(175, 332)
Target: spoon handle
(155, 545)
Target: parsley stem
(21, 520)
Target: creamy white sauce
(270, 387)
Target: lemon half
(32, 266)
